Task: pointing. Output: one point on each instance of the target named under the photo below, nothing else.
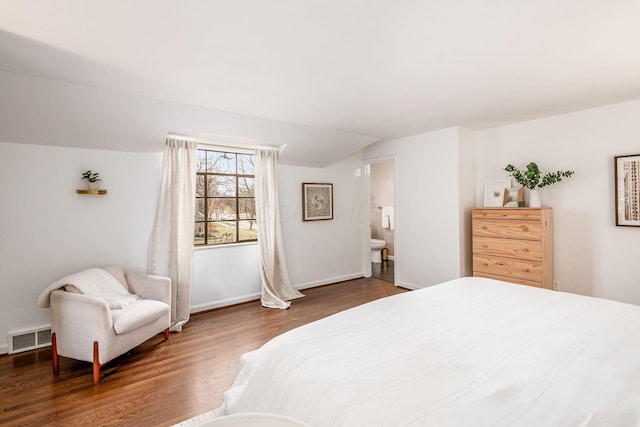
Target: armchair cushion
(138, 314)
(149, 286)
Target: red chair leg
(96, 363)
(166, 334)
(54, 354)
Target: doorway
(380, 219)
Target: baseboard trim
(4, 349)
(256, 296)
(224, 303)
(330, 281)
(409, 286)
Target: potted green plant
(92, 179)
(533, 179)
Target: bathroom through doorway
(381, 222)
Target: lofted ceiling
(323, 77)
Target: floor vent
(29, 340)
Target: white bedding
(470, 352)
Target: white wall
(591, 255)
(317, 252)
(466, 196)
(49, 231)
(429, 223)
(224, 275)
(321, 252)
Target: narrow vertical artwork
(627, 190)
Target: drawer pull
(524, 227)
(499, 263)
(485, 246)
(526, 270)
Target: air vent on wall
(29, 340)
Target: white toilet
(376, 248)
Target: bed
(469, 352)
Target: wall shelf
(91, 191)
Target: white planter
(93, 185)
(534, 199)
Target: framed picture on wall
(317, 201)
(494, 192)
(627, 192)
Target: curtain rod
(226, 143)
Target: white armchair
(86, 325)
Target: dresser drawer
(508, 279)
(499, 213)
(509, 229)
(508, 267)
(524, 249)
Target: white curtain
(277, 291)
(171, 243)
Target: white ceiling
(325, 77)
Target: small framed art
(627, 190)
(494, 192)
(317, 201)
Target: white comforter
(470, 352)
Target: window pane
(199, 233)
(225, 203)
(222, 209)
(247, 208)
(248, 230)
(221, 186)
(221, 232)
(219, 162)
(246, 187)
(199, 210)
(245, 164)
(199, 185)
(201, 161)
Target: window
(225, 210)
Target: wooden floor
(162, 383)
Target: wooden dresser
(514, 245)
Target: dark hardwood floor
(162, 383)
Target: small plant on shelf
(93, 180)
(91, 176)
(533, 179)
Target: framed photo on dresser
(494, 191)
(513, 197)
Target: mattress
(469, 352)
